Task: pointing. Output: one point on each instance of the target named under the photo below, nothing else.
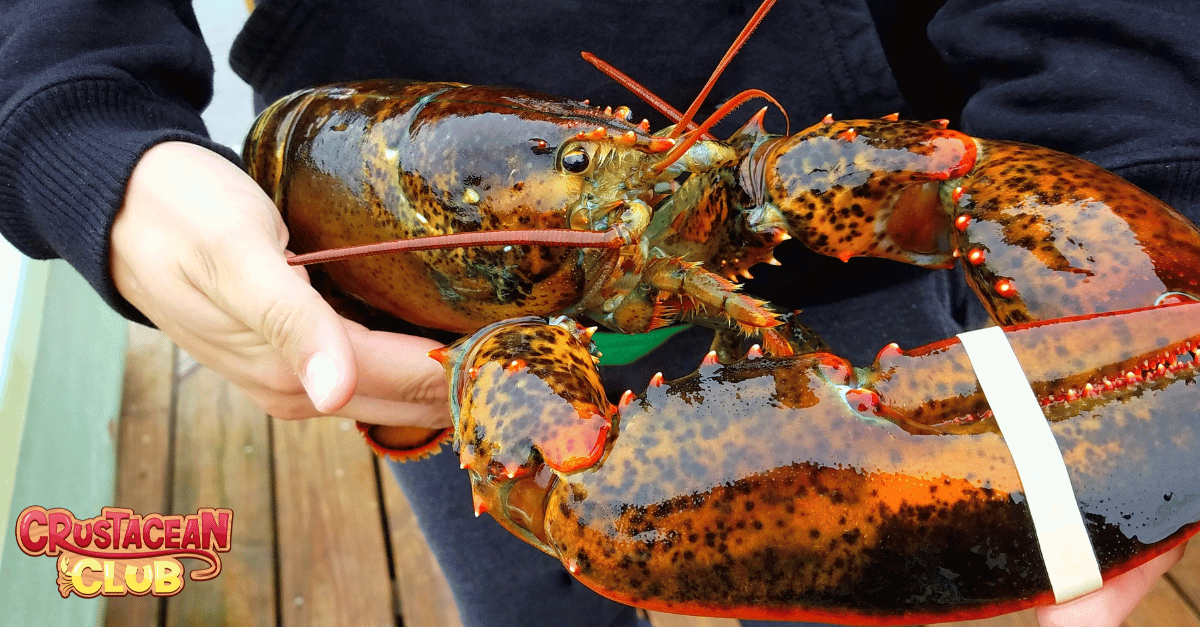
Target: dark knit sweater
(88, 86)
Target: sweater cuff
(66, 156)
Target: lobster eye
(575, 161)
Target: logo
(120, 552)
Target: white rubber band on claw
(1066, 548)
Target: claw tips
(626, 399)
(440, 354)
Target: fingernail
(320, 377)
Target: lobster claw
(518, 402)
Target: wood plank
(332, 560)
(662, 619)
(423, 595)
(143, 444)
(67, 453)
(1163, 607)
(1186, 574)
(222, 459)
(23, 288)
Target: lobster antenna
(755, 20)
(641, 91)
(612, 238)
(702, 131)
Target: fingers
(1111, 605)
(397, 367)
(398, 383)
(199, 249)
(269, 297)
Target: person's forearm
(87, 88)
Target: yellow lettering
(111, 587)
(166, 577)
(77, 577)
(131, 578)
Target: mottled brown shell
(1046, 235)
(382, 160)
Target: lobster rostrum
(788, 487)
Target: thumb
(277, 300)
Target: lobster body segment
(367, 162)
(770, 489)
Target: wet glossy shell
(755, 490)
(1045, 232)
(377, 161)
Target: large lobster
(774, 487)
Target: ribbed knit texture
(86, 87)
(66, 155)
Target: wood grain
(1163, 607)
(332, 559)
(143, 445)
(223, 459)
(424, 597)
(662, 619)
(1186, 576)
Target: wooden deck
(323, 536)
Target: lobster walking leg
(883, 496)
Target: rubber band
(1066, 549)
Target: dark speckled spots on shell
(800, 502)
(1070, 237)
(382, 160)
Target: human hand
(200, 250)
(1111, 605)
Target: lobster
(789, 486)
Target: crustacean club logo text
(120, 552)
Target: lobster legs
(880, 496)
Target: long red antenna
(702, 131)
(639, 90)
(612, 238)
(755, 20)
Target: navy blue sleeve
(86, 87)
(1117, 83)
